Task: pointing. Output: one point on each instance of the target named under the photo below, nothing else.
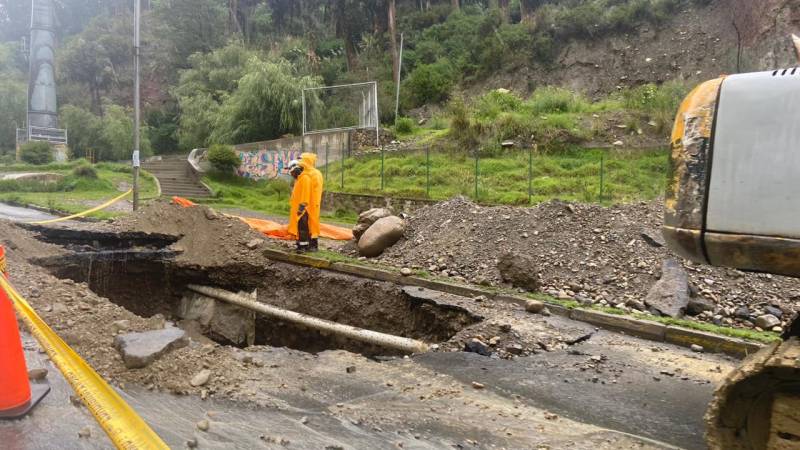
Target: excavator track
(758, 404)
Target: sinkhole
(149, 281)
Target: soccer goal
(343, 107)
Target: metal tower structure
(42, 123)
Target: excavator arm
(733, 199)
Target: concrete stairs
(175, 176)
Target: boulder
(670, 295)
(767, 321)
(774, 310)
(477, 346)
(381, 235)
(140, 349)
(519, 270)
(534, 306)
(742, 312)
(698, 305)
(367, 218)
(219, 320)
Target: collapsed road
(496, 376)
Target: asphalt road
(17, 214)
(617, 392)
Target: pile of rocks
(595, 255)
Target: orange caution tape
(276, 230)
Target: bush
(462, 127)
(556, 100)
(490, 105)
(36, 152)
(404, 125)
(431, 83)
(85, 171)
(223, 158)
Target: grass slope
(573, 175)
(74, 193)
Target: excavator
(733, 200)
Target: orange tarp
(277, 231)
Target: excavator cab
(733, 200)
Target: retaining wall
(333, 201)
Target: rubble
(615, 265)
(670, 295)
(140, 349)
(218, 319)
(201, 378)
(519, 270)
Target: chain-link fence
(510, 176)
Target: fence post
(530, 174)
(343, 156)
(477, 172)
(327, 144)
(602, 175)
(428, 171)
(382, 172)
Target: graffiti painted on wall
(265, 163)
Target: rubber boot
(314, 247)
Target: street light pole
(137, 13)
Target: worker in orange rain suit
(299, 206)
(308, 161)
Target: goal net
(337, 108)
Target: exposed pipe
(405, 345)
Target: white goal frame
(368, 115)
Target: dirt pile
(20, 243)
(207, 238)
(588, 253)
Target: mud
(151, 282)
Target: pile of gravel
(590, 253)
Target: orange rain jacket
(301, 194)
(308, 161)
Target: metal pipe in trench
(357, 334)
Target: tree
(99, 58)
(266, 104)
(117, 135)
(527, 9)
(186, 27)
(456, 5)
(203, 88)
(346, 13)
(13, 95)
(85, 131)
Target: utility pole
(399, 71)
(137, 13)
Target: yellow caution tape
(85, 213)
(125, 428)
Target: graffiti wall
(265, 163)
(268, 159)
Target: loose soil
(281, 377)
(589, 253)
(113, 286)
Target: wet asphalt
(18, 214)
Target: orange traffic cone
(17, 396)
